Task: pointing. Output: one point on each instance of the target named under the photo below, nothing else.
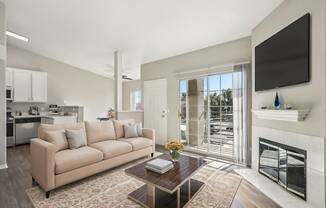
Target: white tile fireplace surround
(314, 146)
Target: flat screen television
(284, 58)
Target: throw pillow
(76, 138)
(58, 138)
(139, 129)
(130, 131)
(118, 126)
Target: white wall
(66, 83)
(310, 94)
(226, 53)
(127, 88)
(3, 150)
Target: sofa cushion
(99, 131)
(112, 148)
(50, 127)
(58, 138)
(68, 160)
(118, 126)
(138, 142)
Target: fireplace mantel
(282, 115)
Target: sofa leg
(47, 194)
(152, 154)
(34, 183)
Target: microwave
(9, 94)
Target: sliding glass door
(210, 109)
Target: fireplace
(283, 164)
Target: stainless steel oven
(9, 93)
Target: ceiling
(86, 33)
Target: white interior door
(155, 108)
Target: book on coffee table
(159, 165)
(160, 171)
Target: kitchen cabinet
(22, 86)
(29, 86)
(9, 78)
(39, 87)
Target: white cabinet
(39, 87)
(29, 86)
(22, 86)
(9, 78)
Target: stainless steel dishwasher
(26, 129)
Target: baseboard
(3, 166)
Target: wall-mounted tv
(284, 58)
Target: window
(208, 109)
(213, 114)
(135, 100)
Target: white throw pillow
(139, 128)
(130, 131)
(76, 138)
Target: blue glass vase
(277, 102)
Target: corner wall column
(3, 56)
(118, 82)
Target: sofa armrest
(150, 134)
(43, 163)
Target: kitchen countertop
(44, 116)
(58, 117)
(28, 116)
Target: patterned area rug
(111, 188)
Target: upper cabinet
(22, 86)
(9, 78)
(39, 87)
(29, 86)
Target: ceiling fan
(125, 77)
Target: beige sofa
(106, 148)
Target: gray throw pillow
(130, 131)
(76, 138)
(139, 129)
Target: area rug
(111, 188)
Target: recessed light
(15, 35)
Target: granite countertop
(28, 116)
(58, 117)
(44, 116)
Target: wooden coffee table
(174, 188)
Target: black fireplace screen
(283, 164)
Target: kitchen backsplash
(24, 107)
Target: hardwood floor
(16, 179)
